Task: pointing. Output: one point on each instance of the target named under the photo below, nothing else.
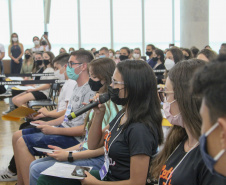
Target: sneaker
(7, 94)
(6, 175)
(6, 112)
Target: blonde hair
(31, 58)
(11, 41)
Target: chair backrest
(55, 87)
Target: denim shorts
(33, 137)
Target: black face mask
(95, 85)
(155, 59)
(148, 53)
(46, 62)
(114, 95)
(186, 57)
(27, 56)
(38, 62)
(123, 57)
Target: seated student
(158, 56)
(210, 83)
(133, 136)
(103, 52)
(207, 55)
(38, 67)
(124, 53)
(180, 160)
(41, 91)
(101, 71)
(137, 54)
(28, 63)
(173, 56)
(187, 53)
(60, 63)
(68, 133)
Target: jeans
(40, 165)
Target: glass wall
(127, 23)
(27, 20)
(63, 25)
(97, 27)
(158, 23)
(95, 23)
(217, 24)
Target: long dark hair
(141, 89)
(180, 76)
(177, 54)
(160, 53)
(52, 56)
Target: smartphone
(46, 33)
(80, 171)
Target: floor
(7, 128)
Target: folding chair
(50, 102)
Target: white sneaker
(6, 175)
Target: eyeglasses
(70, 64)
(116, 82)
(162, 94)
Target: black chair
(50, 102)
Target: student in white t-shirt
(2, 55)
(41, 91)
(60, 65)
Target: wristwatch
(70, 157)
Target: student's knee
(20, 144)
(16, 136)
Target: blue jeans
(33, 137)
(40, 165)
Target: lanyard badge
(104, 169)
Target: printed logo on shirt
(107, 138)
(166, 175)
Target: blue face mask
(71, 73)
(102, 56)
(208, 160)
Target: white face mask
(14, 39)
(169, 64)
(136, 56)
(58, 75)
(117, 55)
(36, 42)
(110, 54)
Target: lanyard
(105, 143)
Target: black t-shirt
(191, 171)
(134, 140)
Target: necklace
(121, 123)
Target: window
(27, 20)
(4, 22)
(158, 23)
(217, 26)
(127, 21)
(63, 25)
(95, 23)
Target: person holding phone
(132, 137)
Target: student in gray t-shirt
(68, 133)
